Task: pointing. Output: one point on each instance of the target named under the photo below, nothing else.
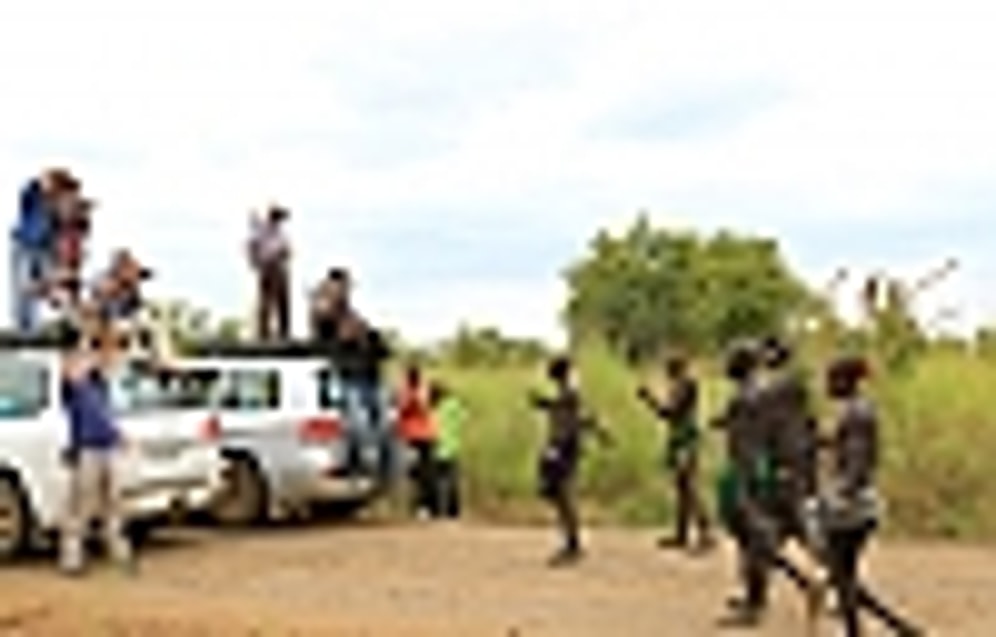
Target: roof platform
(18, 340)
(290, 349)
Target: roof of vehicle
(258, 350)
(12, 339)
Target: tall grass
(939, 437)
(940, 442)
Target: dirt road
(448, 580)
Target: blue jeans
(28, 266)
(367, 426)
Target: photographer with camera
(88, 354)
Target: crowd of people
(785, 478)
(98, 318)
(50, 281)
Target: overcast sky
(458, 154)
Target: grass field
(939, 434)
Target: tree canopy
(650, 288)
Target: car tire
(15, 519)
(244, 498)
(140, 532)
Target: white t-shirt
(268, 244)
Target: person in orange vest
(417, 431)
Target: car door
(249, 405)
(33, 430)
(171, 437)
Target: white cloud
(183, 115)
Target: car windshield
(24, 387)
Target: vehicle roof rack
(14, 339)
(290, 349)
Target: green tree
(652, 288)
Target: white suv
(293, 433)
(170, 462)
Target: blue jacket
(87, 406)
(35, 225)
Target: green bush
(939, 429)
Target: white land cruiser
(293, 433)
(170, 461)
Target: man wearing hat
(33, 243)
(270, 256)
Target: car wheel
(243, 498)
(346, 509)
(15, 519)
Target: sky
(459, 155)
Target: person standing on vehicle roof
(33, 244)
(569, 424)
(681, 457)
(331, 303)
(92, 451)
(417, 430)
(270, 258)
(118, 291)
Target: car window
(140, 389)
(249, 390)
(24, 387)
(329, 389)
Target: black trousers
(690, 510)
(759, 542)
(845, 547)
(273, 319)
(557, 473)
(423, 477)
(448, 500)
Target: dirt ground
(429, 580)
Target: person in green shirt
(450, 415)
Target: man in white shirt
(269, 256)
